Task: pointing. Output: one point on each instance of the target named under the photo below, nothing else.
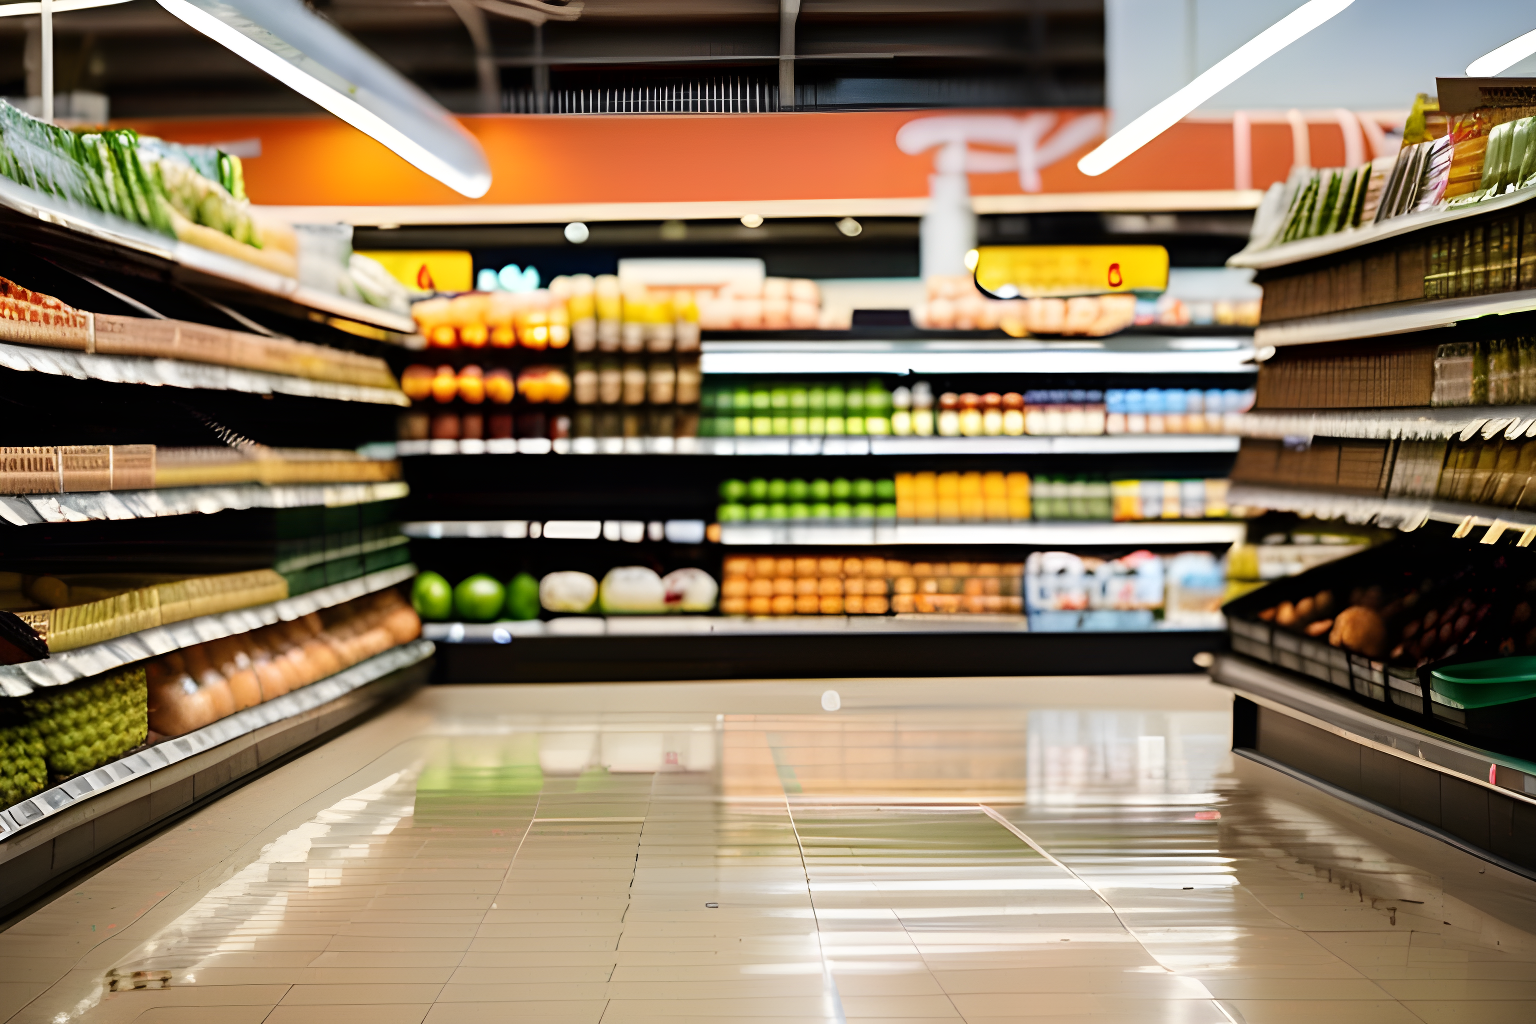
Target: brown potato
(1285, 615)
(1359, 629)
(1323, 602)
(1267, 615)
(1305, 608)
(1319, 627)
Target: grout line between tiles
(1011, 827)
(828, 981)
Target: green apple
(432, 597)
(523, 597)
(479, 598)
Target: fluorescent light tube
(323, 64)
(1225, 71)
(59, 7)
(1505, 57)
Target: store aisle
(983, 850)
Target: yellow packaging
(994, 492)
(1018, 496)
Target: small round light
(850, 227)
(501, 636)
(831, 701)
(487, 280)
(972, 258)
(751, 220)
(576, 232)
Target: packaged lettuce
(23, 761)
(85, 725)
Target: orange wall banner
(561, 160)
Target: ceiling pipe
(487, 75)
(789, 10)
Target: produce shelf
(719, 625)
(83, 662)
(1401, 513)
(1468, 797)
(1033, 534)
(1326, 245)
(678, 531)
(106, 238)
(177, 373)
(1442, 424)
(781, 534)
(1118, 355)
(55, 834)
(774, 651)
(84, 506)
(1392, 318)
(1111, 444)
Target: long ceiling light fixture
(1222, 74)
(323, 64)
(1504, 58)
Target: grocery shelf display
(194, 548)
(95, 234)
(1389, 432)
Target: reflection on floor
(1020, 850)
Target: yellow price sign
(443, 270)
(1058, 271)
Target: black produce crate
(1496, 575)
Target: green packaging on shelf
(87, 724)
(797, 490)
(757, 488)
(816, 401)
(835, 400)
(778, 489)
(23, 760)
(821, 489)
(842, 489)
(733, 490)
(1481, 684)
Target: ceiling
(613, 54)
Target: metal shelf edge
(1398, 318)
(34, 810)
(111, 230)
(1327, 245)
(87, 506)
(82, 662)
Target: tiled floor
(1082, 851)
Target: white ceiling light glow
(1504, 58)
(1222, 74)
(320, 62)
